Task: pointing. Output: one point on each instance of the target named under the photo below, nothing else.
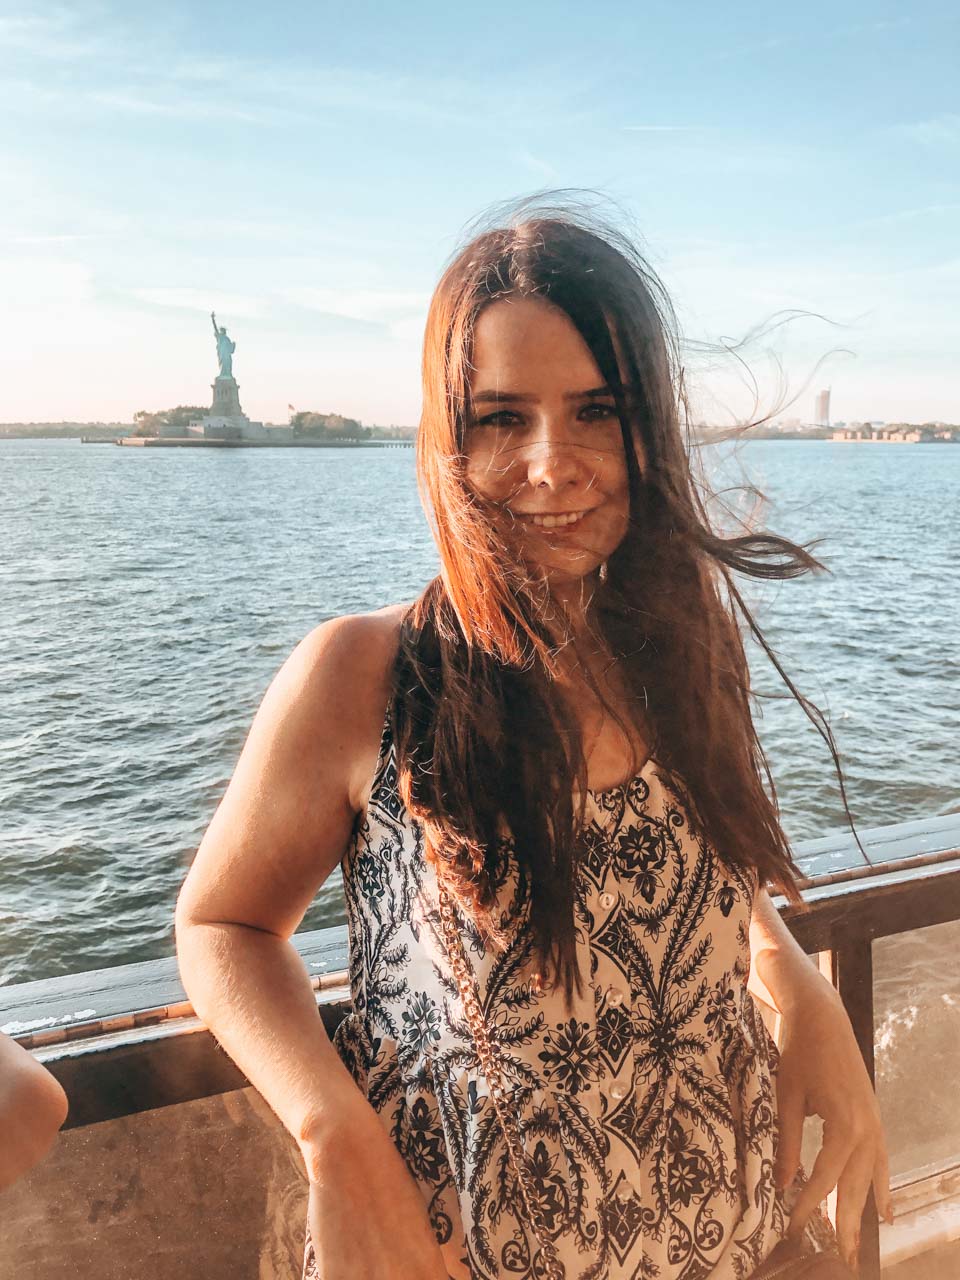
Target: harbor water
(148, 596)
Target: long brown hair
(486, 751)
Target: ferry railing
(145, 1049)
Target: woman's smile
(554, 521)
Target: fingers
(852, 1191)
(881, 1181)
(791, 1113)
(838, 1144)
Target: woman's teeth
(555, 522)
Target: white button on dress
(607, 900)
(619, 1089)
(614, 996)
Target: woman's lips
(550, 522)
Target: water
(148, 596)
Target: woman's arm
(782, 975)
(33, 1107)
(280, 830)
(821, 1073)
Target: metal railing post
(851, 966)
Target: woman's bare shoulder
(303, 775)
(356, 647)
(347, 664)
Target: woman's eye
(494, 419)
(507, 418)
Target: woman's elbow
(187, 917)
(198, 944)
(52, 1107)
(184, 931)
(34, 1108)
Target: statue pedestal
(226, 420)
(226, 399)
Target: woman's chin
(569, 568)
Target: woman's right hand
(366, 1216)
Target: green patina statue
(225, 349)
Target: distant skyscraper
(821, 414)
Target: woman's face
(543, 438)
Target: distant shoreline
(206, 442)
(112, 432)
(808, 439)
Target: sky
(306, 170)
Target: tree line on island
(311, 425)
(307, 424)
(146, 423)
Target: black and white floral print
(647, 1110)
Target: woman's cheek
(490, 474)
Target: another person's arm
(821, 1072)
(33, 1107)
(280, 830)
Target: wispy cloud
(58, 35)
(906, 215)
(360, 304)
(529, 161)
(662, 128)
(200, 300)
(866, 28)
(39, 283)
(177, 108)
(248, 89)
(939, 131)
(397, 312)
(45, 240)
(766, 45)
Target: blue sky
(306, 169)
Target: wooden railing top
(923, 852)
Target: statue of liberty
(225, 349)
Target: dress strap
(384, 785)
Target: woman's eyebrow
(518, 397)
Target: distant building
(821, 412)
(896, 433)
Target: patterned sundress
(648, 1112)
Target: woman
(544, 787)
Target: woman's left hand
(822, 1073)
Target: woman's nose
(554, 464)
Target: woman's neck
(572, 614)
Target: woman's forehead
(529, 340)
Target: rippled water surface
(147, 597)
